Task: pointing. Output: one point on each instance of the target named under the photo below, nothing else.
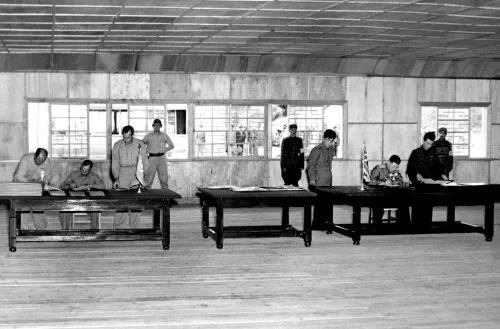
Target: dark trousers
(321, 214)
(402, 217)
(291, 176)
(421, 219)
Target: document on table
(76, 193)
(96, 193)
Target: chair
(388, 220)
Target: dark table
(225, 198)
(115, 200)
(428, 195)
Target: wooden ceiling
(393, 29)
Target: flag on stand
(365, 171)
(139, 172)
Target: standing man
(423, 168)
(444, 153)
(388, 175)
(241, 137)
(82, 180)
(34, 167)
(125, 156)
(319, 172)
(157, 149)
(292, 157)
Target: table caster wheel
(356, 243)
(205, 235)
(487, 240)
(12, 249)
(307, 244)
(219, 246)
(166, 247)
(329, 232)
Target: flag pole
(362, 167)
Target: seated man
(388, 174)
(83, 179)
(34, 167)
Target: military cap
(157, 121)
(443, 129)
(293, 125)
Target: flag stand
(363, 155)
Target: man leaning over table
(319, 173)
(388, 175)
(33, 168)
(125, 157)
(82, 179)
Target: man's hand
(72, 185)
(313, 183)
(387, 182)
(115, 185)
(419, 178)
(284, 169)
(444, 177)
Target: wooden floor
(405, 281)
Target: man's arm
(67, 182)
(375, 177)
(115, 161)
(97, 183)
(411, 170)
(22, 171)
(283, 155)
(312, 163)
(301, 155)
(47, 178)
(169, 142)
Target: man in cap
(158, 144)
(443, 152)
(292, 157)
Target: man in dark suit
(292, 157)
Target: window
(466, 125)
(80, 130)
(312, 121)
(141, 117)
(229, 130)
(68, 130)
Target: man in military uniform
(292, 157)
(319, 173)
(423, 168)
(443, 152)
(388, 174)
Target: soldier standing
(443, 152)
(292, 157)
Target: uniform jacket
(381, 174)
(319, 165)
(424, 163)
(292, 155)
(444, 154)
(122, 156)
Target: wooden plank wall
(381, 112)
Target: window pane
(279, 126)
(478, 135)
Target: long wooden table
(449, 196)
(115, 200)
(225, 198)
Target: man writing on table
(34, 168)
(424, 168)
(156, 146)
(83, 179)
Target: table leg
(14, 219)
(204, 219)
(285, 217)
(488, 220)
(156, 219)
(219, 226)
(450, 218)
(307, 225)
(166, 224)
(356, 221)
(329, 217)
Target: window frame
(469, 105)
